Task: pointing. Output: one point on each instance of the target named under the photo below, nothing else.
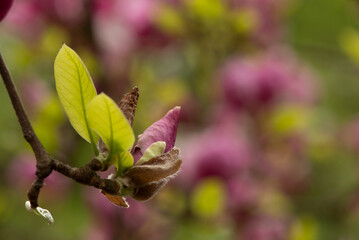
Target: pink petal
(5, 6)
(164, 129)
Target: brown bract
(145, 180)
(116, 200)
(128, 104)
(153, 170)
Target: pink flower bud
(164, 129)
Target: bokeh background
(269, 131)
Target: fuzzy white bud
(28, 206)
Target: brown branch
(44, 162)
(87, 175)
(41, 155)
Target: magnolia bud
(148, 191)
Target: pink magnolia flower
(25, 20)
(221, 151)
(136, 15)
(128, 22)
(242, 87)
(164, 129)
(254, 83)
(5, 6)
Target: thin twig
(43, 160)
(28, 131)
(87, 176)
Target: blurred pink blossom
(265, 228)
(25, 20)
(269, 14)
(136, 15)
(66, 11)
(243, 192)
(99, 204)
(122, 26)
(350, 134)
(220, 151)
(109, 217)
(34, 92)
(242, 87)
(99, 231)
(256, 82)
(21, 173)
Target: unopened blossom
(164, 129)
(157, 160)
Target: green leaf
(154, 150)
(106, 118)
(123, 161)
(75, 89)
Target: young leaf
(154, 150)
(75, 89)
(109, 122)
(123, 161)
